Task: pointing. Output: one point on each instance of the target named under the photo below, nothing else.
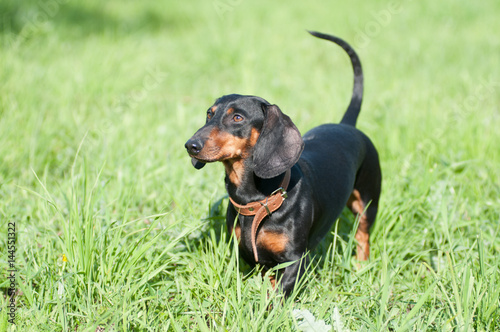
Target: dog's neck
(243, 186)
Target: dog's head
(247, 128)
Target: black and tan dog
(285, 190)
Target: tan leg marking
(356, 205)
(237, 232)
(272, 278)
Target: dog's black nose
(193, 147)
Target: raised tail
(351, 115)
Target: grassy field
(116, 231)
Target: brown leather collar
(260, 209)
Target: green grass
(116, 230)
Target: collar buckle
(283, 192)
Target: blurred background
(98, 97)
(133, 74)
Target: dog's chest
(270, 242)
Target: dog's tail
(351, 115)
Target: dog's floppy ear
(197, 164)
(279, 145)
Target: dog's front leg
(291, 275)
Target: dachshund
(286, 190)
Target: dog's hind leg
(363, 202)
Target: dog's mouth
(204, 160)
(199, 161)
(211, 157)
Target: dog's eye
(209, 114)
(237, 118)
